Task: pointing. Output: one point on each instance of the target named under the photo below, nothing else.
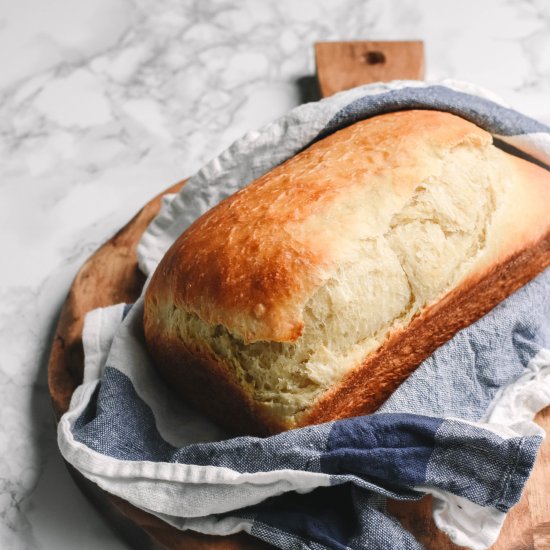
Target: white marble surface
(105, 103)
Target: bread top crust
(252, 262)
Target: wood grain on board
(344, 65)
(111, 276)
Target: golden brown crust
(251, 262)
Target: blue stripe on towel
(490, 116)
(390, 449)
(119, 424)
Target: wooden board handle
(344, 65)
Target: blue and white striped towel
(459, 428)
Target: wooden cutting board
(111, 275)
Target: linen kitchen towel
(459, 428)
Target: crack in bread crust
(365, 388)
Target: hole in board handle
(374, 58)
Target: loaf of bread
(312, 293)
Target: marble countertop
(103, 104)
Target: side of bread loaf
(315, 291)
